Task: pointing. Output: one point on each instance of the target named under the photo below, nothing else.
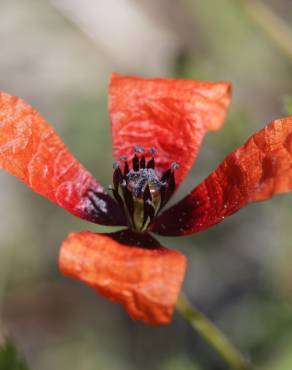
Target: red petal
(170, 115)
(145, 281)
(259, 169)
(31, 151)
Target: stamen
(142, 162)
(117, 176)
(140, 190)
(135, 162)
(118, 197)
(147, 194)
(171, 186)
(152, 151)
(149, 213)
(166, 175)
(126, 169)
(167, 190)
(174, 165)
(151, 163)
(138, 149)
(162, 196)
(129, 203)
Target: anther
(152, 151)
(174, 165)
(138, 149)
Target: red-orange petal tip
(145, 281)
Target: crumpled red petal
(258, 170)
(31, 151)
(171, 115)
(145, 281)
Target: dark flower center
(140, 190)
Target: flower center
(140, 190)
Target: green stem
(277, 29)
(211, 334)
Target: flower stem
(212, 335)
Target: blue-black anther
(152, 151)
(174, 165)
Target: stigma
(139, 189)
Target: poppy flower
(165, 121)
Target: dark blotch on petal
(131, 238)
(97, 205)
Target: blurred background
(58, 55)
